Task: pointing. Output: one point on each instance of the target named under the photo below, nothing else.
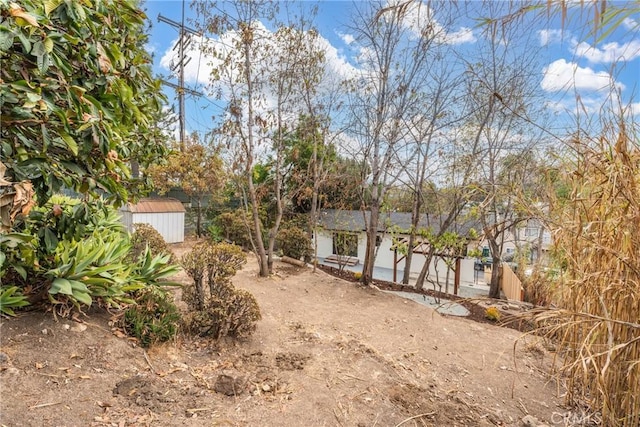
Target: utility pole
(182, 45)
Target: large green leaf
(51, 5)
(61, 286)
(11, 298)
(50, 240)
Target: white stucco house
(342, 233)
(531, 237)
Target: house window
(531, 231)
(485, 252)
(378, 240)
(345, 244)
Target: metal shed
(164, 214)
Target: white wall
(325, 243)
(169, 224)
(384, 259)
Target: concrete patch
(444, 307)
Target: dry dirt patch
(326, 352)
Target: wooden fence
(509, 283)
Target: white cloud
(630, 23)
(198, 69)
(610, 52)
(336, 64)
(635, 108)
(347, 38)
(463, 35)
(561, 75)
(548, 37)
(420, 18)
(577, 107)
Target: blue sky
(571, 62)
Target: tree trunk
(313, 219)
(198, 218)
(408, 257)
(372, 233)
(415, 220)
(249, 147)
(496, 274)
(424, 272)
(261, 252)
(446, 282)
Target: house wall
(324, 241)
(169, 224)
(384, 258)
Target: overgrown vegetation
(221, 310)
(153, 318)
(71, 253)
(596, 324)
(78, 100)
(145, 235)
(295, 243)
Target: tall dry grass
(597, 323)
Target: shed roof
(155, 205)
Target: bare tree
(258, 73)
(426, 133)
(503, 91)
(395, 47)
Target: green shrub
(11, 298)
(153, 318)
(234, 227)
(71, 253)
(215, 233)
(145, 235)
(295, 243)
(220, 262)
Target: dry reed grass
(597, 323)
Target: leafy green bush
(153, 318)
(70, 253)
(89, 87)
(295, 243)
(215, 233)
(234, 228)
(145, 235)
(11, 298)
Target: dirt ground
(326, 353)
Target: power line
(183, 43)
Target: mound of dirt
(326, 352)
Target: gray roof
(347, 220)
